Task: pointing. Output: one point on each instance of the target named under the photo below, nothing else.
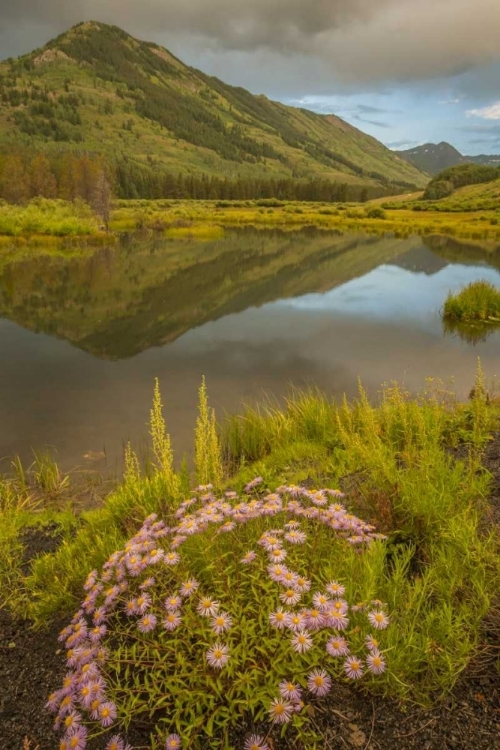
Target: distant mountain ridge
(96, 89)
(434, 157)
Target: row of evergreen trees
(70, 176)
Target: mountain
(434, 157)
(96, 89)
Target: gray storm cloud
(355, 41)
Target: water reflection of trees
(148, 291)
(472, 333)
(461, 251)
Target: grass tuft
(478, 301)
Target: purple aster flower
(249, 557)
(143, 602)
(53, 702)
(111, 594)
(89, 672)
(289, 579)
(72, 720)
(85, 696)
(319, 682)
(76, 739)
(302, 585)
(278, 618)
(290, 690)
(221, 622)
(90, 581)
(131, 607)
(99, 616)
(97, 633)
(155, 556)
(371, 643)
(376, 662)
(66, 705)
(173, 742)
(321, 601)
(69, 683)
(115, 743)
(173, 603)
(256, 742)
(177, 541)
(207, 607)
(270, 542)
(147, 583)
(147, 623)
(315, 619)
(353, 667)
(107, 713)
(172, 621)
(218, 656)
(295, 537)
(227, 527)
(378, 619)
(337, 646)
(276, 572)
(335, 589)
(253, 484)
(277, 555)
(280, 711)
(296, 621)
(171, 558)
(290, 597)
(189, 587)
(302, 642)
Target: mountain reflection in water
(254, 311)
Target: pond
(82, 337)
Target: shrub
(198, 625)
(376, 212)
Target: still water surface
(82, 338)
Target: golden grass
(193, 219)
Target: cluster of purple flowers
(329, 610)
(126, 584)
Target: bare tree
(101, 198)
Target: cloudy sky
(405, 71)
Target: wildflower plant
(196, 624)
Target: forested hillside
(162, 129)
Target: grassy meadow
(191, 218)
(365, 501)
(65, 221)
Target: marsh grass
(198, 219)
(478, 301)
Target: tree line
(70, 176)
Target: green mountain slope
(434, 157)
(99, 90)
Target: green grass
(48, 217)
(478, 301)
